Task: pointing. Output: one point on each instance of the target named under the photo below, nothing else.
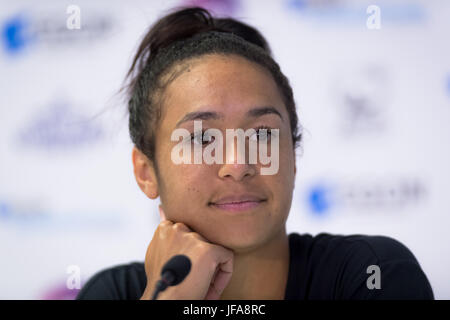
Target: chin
(240, 241)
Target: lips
(238, 202)
(238, 199)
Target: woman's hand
(211, 270)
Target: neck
(262, 273)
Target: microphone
(173, 272)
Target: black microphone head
(179, 266)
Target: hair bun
(186, 23)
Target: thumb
(162, 215)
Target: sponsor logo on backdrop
(217, 7)
(448, 84)
(49, 29)
(319, 199)
(363, 97)
(26, 214)
(60, 292)
(340, 12)
(60, 125)
(364, 196)
(16, 35)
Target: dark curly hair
(171, 42)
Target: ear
(144, 173)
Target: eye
(201, 138)
(263, 133)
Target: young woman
(227, 216)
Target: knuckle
(193, 235)
(197, 238)
(164, 223)
(179, 226)
(202, 247)
(163, 229)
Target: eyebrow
(212, 115)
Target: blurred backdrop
(372, 86)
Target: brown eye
(262, 134)
(201, 138)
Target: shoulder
(121, 282)
(375, 247)
(364, 267)
(372, 248)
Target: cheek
(183, 182)
(184, 190)
(285, 179)
(286, 158)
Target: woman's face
(200, 195)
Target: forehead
(227, 83)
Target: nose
(232, 168)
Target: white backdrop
(375, 105)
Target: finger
(212, 293)
(222, 274)
(198, 236)
(182, 227)
(218, 285)
(224, 258)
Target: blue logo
(21, 213)
(30, 215)
(320, 199)
(357, 196)
(60, 126)
(48, 28)
(14, 34)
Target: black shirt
(321, 267)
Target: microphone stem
(166, 280)
(160, 286)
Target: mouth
(238, 203)
(238, 206)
